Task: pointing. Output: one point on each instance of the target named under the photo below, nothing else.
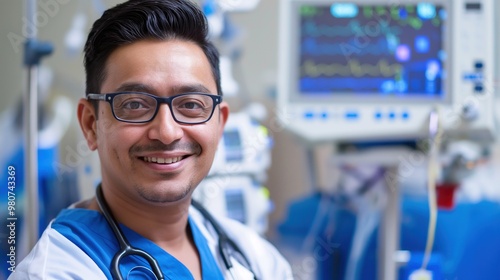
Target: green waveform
(352, 68)
(380, 10)
(308, 11)
(415, 22)
(436, 21)
(353, 28)
(392, 13)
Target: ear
(87, 119)
(223, 115)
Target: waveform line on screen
(353, 28)
(353, 68)
(394, 12)
(312, 47)
(309, 11)
(346, 84)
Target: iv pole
(33, 52)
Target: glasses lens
(192, 108)
(134, 107)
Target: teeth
(162, 160)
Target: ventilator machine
(367, 70)
(395, 89)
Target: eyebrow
(192, 88)
(138, 87)
(135, 87)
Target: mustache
(157, 146)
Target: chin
(163, 195)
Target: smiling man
(154, 113)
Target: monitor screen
(235, 205)
(352, 50)
(233, 145)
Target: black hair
(137, 20)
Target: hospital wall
(255, 70)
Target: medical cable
(435, 141)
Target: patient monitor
(374, 70)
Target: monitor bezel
(295, 96)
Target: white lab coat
(56, 257)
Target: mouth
(160, 160)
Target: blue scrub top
(89, 230)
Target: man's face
(160, 161)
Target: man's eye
(191, 105)
(133, 105)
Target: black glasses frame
(109, 97)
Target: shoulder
(56, 257)
(265, 259)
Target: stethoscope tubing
(224, 240)
(126, 249)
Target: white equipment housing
(368, 70)
(245, 148)
(237, 197)
(234, 186)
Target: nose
(164, 128)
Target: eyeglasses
(140, 107)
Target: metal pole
(31, 137)
(389, 231)
(31, 156)
(33, 52)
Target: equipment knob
(470, 111)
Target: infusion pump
(374, 70)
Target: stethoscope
(126, 249)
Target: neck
(165, 224)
